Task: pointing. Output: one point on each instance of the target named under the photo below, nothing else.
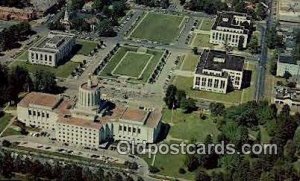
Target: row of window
(38, 113)
(80, 140)
(38, 56)
(76, 127)
(124, 128)
(209, 82)
(85, 133)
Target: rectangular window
(47, 115)
(120, 128)
(125, 128)
(222, 84)
(203, 81)
(197, 80)
(29, 112)
(129, 129)
(34, 113)
(134, 129)
(139, 130)
(216, 83)
(209, 83)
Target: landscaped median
(4, 120)
(134, 63)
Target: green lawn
(190, 62)
(188, 126)
(201, 40)
(169, 165)
(130, 60)
(159, 27)
(23, 56)
(86, 46)
(113, 62)
(250, 91)
(4, 120)
(62, 71)
(206, 24)
(10, 131)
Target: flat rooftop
(219, 60)
(287, 93)
(53, 42)
(289, 10)
(40, 99)
(227, 19)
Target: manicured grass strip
(207, 24)
(4, 120)
(201, 40)
(132, 64)
(86, 46)
(113, 62)
(62, 71)
(107, 71)
(186, 83)
(190, 62)
(159, 27)
(250, 91)
(10, 131)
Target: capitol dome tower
(89, 95)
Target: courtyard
(159, 28)
(133, 63)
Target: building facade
(88, 121)
(287, 96)
(218, 72)
(52, 49)
(286, 63)
(11, 13)
(230, 28)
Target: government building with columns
(230, 28)
(218, 71)
(51, 50)
(89, 120)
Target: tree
(119, 8)
(182, 2)
(195, 50)
(253, 45)
(260, 11)
(104, 28)
(217, 109)
(241, 43)
(201, 175)
(6, 143)
(272, 38)
(77, 4)
(98, 5)
(44, 82)
(170, 98)
(188, 105)
(287, 75)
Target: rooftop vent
(219, 60)
(225, 19)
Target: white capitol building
(88, 121)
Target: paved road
(259, 94)
(45, 142)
